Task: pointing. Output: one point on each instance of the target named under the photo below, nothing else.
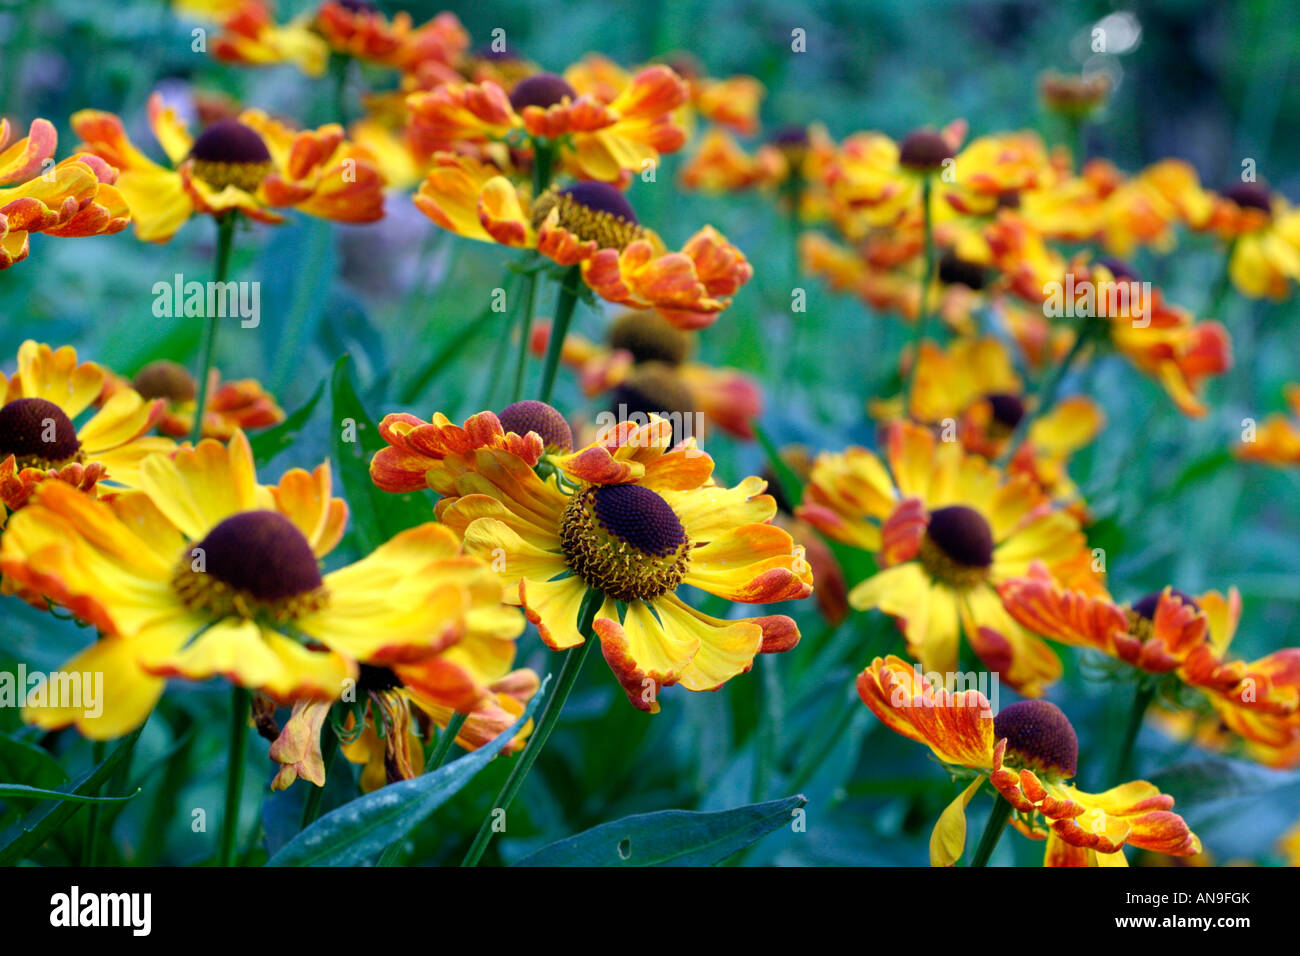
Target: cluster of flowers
(189, 567)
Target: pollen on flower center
(624, 540)
(1039, 736)
(542, 89)
(958, 545)
(253, 564)
(532, 416)
(37, 433)
(592, 211)
(229, 153)
(164, 379)
(650, 338)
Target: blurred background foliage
(1212, 83)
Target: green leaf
(40, 793)
(377, 515)
(1214, 778)
(268, 444)
(21, 760)
(669, 837)
(28, 834)
(358, 832)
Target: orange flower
(231, 406)
(251, 36)
(73, 198)
(357, 28)
(1028, 751)
(1277, 441)
(253, 164)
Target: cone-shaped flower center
(530, 416)
(1039, 737)
(954, 270)
(1142, 613)
(592, 211)
(37, 432)
(649, 337)
(958, 546)
(1008, 410)
(654, 389)
(625, 540)
(228, 153)
(543, 89)
(1249, 196)
(1121, 270)
(252, 564)
(371, 677)
(164, 379)
(924, 150)
(358, 6)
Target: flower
(644, 368)
(1263, 230)
(359, 29)
(39, 404)
(231, 406)
(1029, 752)
(1277, 441)
(590, 224)
(948, 528)
(606, 140)
(1172, 633)
(634, 521)
(73, 198)
(253, 164)
(205, 572)
(250, 35)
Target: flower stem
(550, 716)
(207, 348)
(1146, 692)
(90, 849)
(564, 307)
(927, 279)
(439, 755)
(526, 330)
(240, 701)
(997, 822)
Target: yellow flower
(590, 224)
(39, 404)
(205, 573)
(1029, 752)
(252, 164)
(948, 528)
(1264, 232)
(635, 521)
(70, 199)
(231, 406)
(250, 35)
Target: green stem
(240, 701)
(769, 726)
(311, 810)
(1146, 692)
(543, 160)
(339, 63)
(521, 365)
(439, 755)
(90, 849)
(997, 822)
(927, 279)
(550, 716)
(207, 348)
(564, 307)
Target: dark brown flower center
(1120, 269)
(1008, 410)
(625, 540)
(924, 150)
(541, 89)
(531, 416)
(229, 153)
(592, 211)
(255, 563)
(963, 535)
(373, 678)
(164, 379)
(1039, 736)
(1249, 196)
(1145, 607)
(650, 338)
(37, 432)
(654, 389)
(954, 270)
